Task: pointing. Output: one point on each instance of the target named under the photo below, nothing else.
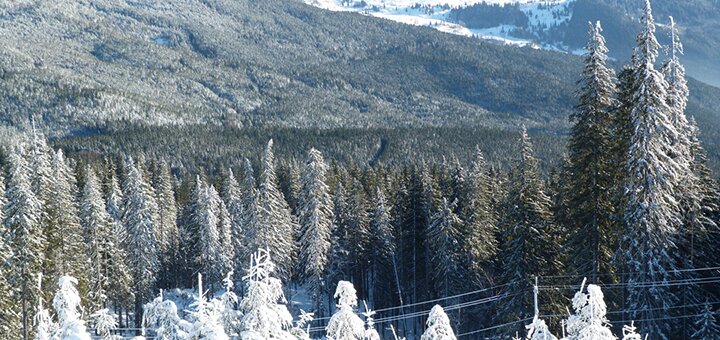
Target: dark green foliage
(529, 243)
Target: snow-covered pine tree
(315, 216)
(119, 279)
(443, 234)
(113, 201)
(9, 307)
(621, 129)
(232, 195)
(276, 225)
(589, 321)
(162, 317)
(169, 240)
(100, 241)
(104, 324)
(652, 215)
(457, 188)
(345, 324)
(339, 262)
(265, 315)
(706, 214)
(67, 306)
(677, 97)
(140, 219)
(630, 332)
(529, 241)
(289, 181)
(706, 326)
(590, 208)
(225, 233)
(690, 188)
(538, 330)
(249, 221)
(438, 326)
(206, 318)
(65, 249)
(412, 223)
(190, 231)
(301, 331)
(370, 332)
(42, 322)
(382, 254)
(358, 228)
(209, 258)
(39, 159)
(227, 304)
(478, 240)
(24, 235)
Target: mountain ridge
(80, 66)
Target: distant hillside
(559, 25)
(87, 65)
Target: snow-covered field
(542, 14)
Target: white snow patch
(542, 15)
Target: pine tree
(276, 226)
(65, 249)
(43, 323)
(690, 187)
(438, 326)
(206, 323)
(315, 217)
(232, 196)
(225, 233)
(529, 245)
(139, 217)
(589, 321)
(162, 317)
(382, 254)
(169, 238)
(105, 324)
(229, 316)
(652, 214)
(100, 241)
(538, 330)
(345, 324)
(208, 258)
(358, 228)
(249, 220)
(443, 234)
(370, 332)
(67, 306)
(9, 307)
(703, 219)
(114, 198)
(265, 315)
(339, 262)
(706, 327)
(677, 97)
(478, 241)
(630, 332)
(590, 206)
(190, 231)
(25, 236)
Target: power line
(645, 284)
(665, 283)
(627, 273)
(561, 315)
(437, 300)
(425, 312)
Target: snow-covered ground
(542, 14)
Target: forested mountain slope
(85, 65)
